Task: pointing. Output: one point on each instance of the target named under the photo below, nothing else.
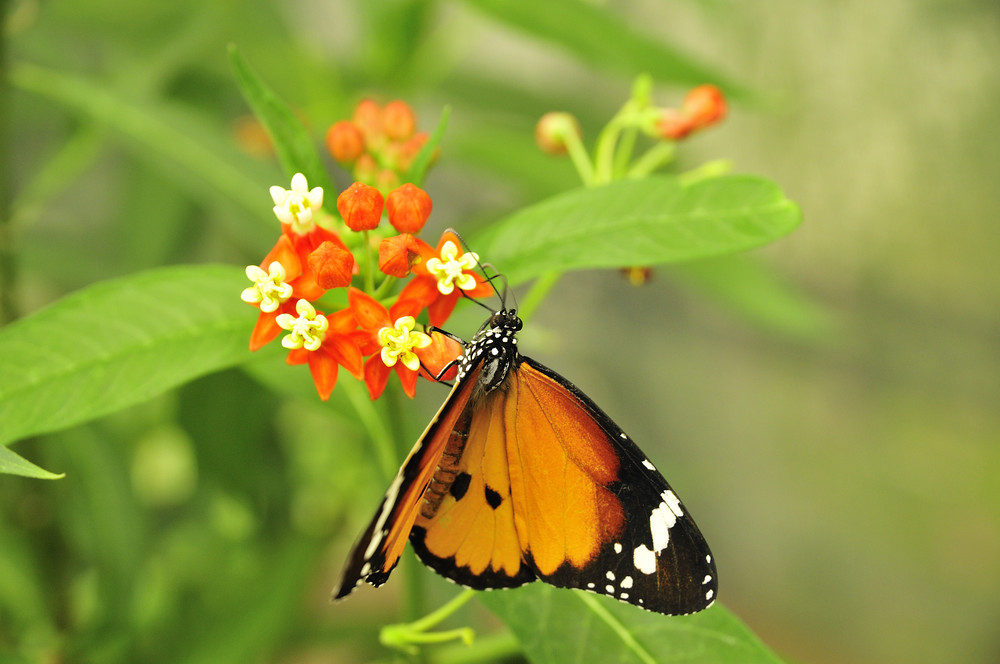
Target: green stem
(578, 155)
(404, 636)
(535, 296)
(8, 263)
(624, 152)
(656, 156)
(366, 267)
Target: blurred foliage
(829, 403)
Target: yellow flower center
(269, 289)
(399, 341)
(449, 270)
(308, 329)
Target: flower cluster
(378, 144)
(367, 338)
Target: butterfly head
(494, 348)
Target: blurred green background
(838, 441)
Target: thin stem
(404, 636)
(8, 262)
(578, 155)
(366, 266)
(624, 152)
(656, 156)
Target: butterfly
(520, 476)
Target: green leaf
(639, 223)
(292, 142)
(598, 36)
(14, 464)
(418, 169)
(118, 343)
(557, 625)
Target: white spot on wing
(644, 559)
(609, 589)
(618, 547)
(709, 594)
(610, 575)
(626, 582)
(648, 465)
(708, 579)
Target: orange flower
(393, 332)
(324, 343)
(278, 282)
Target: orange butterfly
(520, 476)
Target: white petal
(278, 194)
(299, 183)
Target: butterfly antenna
(502, 296)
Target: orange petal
(376, 376)
(284, 252)
(323, 368)
(370, 315)
(408, 379)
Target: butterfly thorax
(495, 346)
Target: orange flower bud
(368, 118)
(398, 254)
(345, 142)
(361, 206)
(398, 120)
(552, 130)
(409, 150)
(408, 208)
(704, 105)
(332, 264)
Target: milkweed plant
(355, 289)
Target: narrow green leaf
(292, 142)
(556, 626)
(753, 290)
(118, 343)
(14, 464)
(418, 169)
(179, 140)
(598, 36)
(643, 222)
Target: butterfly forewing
(377, 551)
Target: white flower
(295, 206)
(307, 329)
(449, 270)
(269, 288)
